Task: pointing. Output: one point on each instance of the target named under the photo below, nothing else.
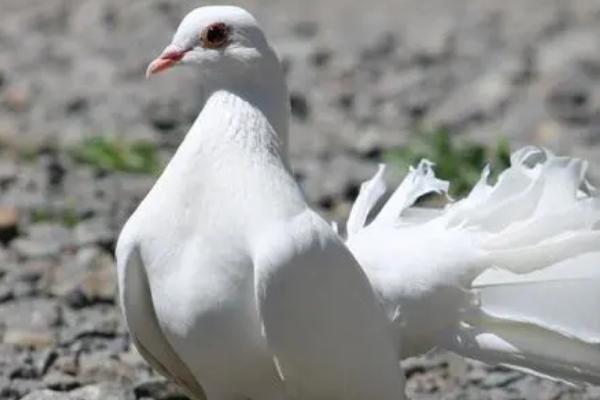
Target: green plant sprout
(459, 162)
(117, 155)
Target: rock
(306, 29)
(76, 105)
(159, 389)
(9, 224)
(569, 100)
(16, 99)
(61, 382)
(43, 240)
(28, 248)
(93, 232)
(102, 367)
(100, 282)
(30, 313)
(23, 386)
(44, 360)
(383, 46)
(25, 276)
(47, 395)
(299, 105)
(7, 392)
(475, 102)
(66, 365)
(50, 231)
(17, 388)
(321, 57)
(55, 170)
(558, 55)
(8, 173)
(433, 43)
(88, 278)
(338, 180)
(104, 391)
(24, 372)
(133, 358)
(97, 327)
(6, 294)
(165, 115)
(29, 338)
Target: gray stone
(159, 389)
(65, 365)
(559, 54)
(47, 395)
(299, 105)
(570, 100)
(61, 382)
(432, 42)
(43, 240)
(95, 327)
(102, 367)
(485, 97)
(28, 323)
(9, 223)
(25, 278)
(30, 314)
(93, 231)
(31, 249)
(104, 391)
(87, 278)
(50, 232)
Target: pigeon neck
(232, 160)
(244, 119)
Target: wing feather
(321, 319)
(146, 334)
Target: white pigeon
(228, 281)
(235, 289)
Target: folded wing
(145, 332)
(328, 334)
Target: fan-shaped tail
(539, 308)
(530, 269)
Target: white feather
(449, 274)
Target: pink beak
(169, 57)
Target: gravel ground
(362, 78)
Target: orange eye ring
(215, 36)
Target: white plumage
(235, 289)
(508, 275)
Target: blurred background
(83, 136)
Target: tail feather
(526, 247)
(585, 214)
(544, 322)
(530, 258)
(539, 310)
(531, 349)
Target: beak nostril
(169, 57)
(172, 53)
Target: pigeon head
(224, 42)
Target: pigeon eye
(215, 36)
